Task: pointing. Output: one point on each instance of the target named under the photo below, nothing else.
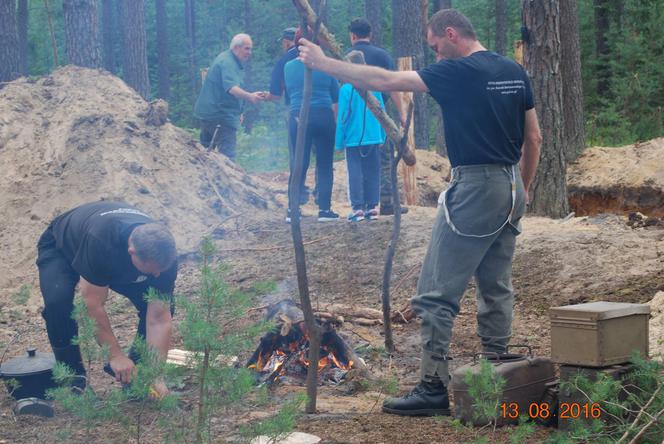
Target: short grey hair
(239, 40)
(154, 244)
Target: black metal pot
(33, 373)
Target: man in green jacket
(218, 106)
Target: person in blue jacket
(361, 135)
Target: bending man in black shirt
(490, 127)
(99, 246)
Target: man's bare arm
(531, 149)
(159, 327)
(366, 77)
(253, 97)
(95, 298)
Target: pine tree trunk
(107, 36)
(441, 4)
(251, 111)
(501, 26)
(9, 57)
(164, 82)
(441, 144)
(602, 24)
(570, 63)
(190, 27)
(408, 41)
(373, 10)
(542, 59)
(82, 32)
(135, 62)
(22, 25)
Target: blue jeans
(320, 133)
(363, 164)
(479, 200)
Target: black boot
(71, 357)
(426, 399)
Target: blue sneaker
(371, 214)
(356, 216)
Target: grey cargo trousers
(479, 200)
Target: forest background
(621, 45)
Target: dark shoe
(71, 357)
(327, 216)
(426, 399)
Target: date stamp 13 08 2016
(542, 410)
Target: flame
(273, 357)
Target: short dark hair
(154, 244)
(451, 18)
(360, 27)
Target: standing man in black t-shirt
(360, 40)
(493, 142)
(99, 246)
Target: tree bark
(441, 4)
(408, 41)
(9, 57)
(22, 25)
(164, 76)
(542, 59)
(570, 63)
(190, 27)
(602, 50)
(51, 32)
(135, 61)
(107, 36)
(501, 27)
(82, 32)
(373, 10)
(251, 111)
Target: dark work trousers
(320, 133)
(363, 164)
(57, 281)
(225, 140)
(480, 243)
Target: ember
(282, 354)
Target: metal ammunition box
(598, 334)
(526, 379)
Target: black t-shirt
(484, 98)
(375, 56)
(277, 84)
(94, 238)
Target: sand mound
(619, 180)
(657, 326)
(81, 135)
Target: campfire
(282, 354)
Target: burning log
(284, 350)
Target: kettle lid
(33, 362)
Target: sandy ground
(81, 135)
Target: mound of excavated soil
(81, 135)
(619, 180)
